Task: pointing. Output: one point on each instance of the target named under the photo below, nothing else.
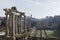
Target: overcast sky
(38, 8)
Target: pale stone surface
(2, 33)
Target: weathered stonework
(13, 23)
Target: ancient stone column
(7, 29)
(10, 25)
(13, 26)
(16, 24)
(24, 28)
(24, 24)
(19, 30)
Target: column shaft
(13, 26)
(24, 24)
(10, 25)
(19, 24)
(7, 31)
(16, 24)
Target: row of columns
(10, 25)
(13, 22)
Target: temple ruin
(15, 22)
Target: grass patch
(51, 34)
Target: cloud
(38, 8)
(43, 7)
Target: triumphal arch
(15, 22)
